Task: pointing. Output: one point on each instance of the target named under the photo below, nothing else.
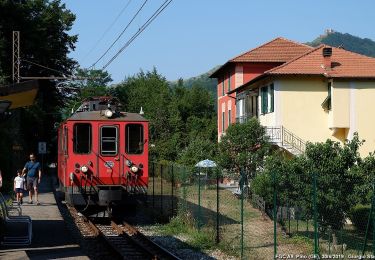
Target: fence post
(274, 215)
(316, 250)
(369, 218)
(199, 199)
(183, 186)
(373, 221)
(217, 207)
(242, 180)
(153, 187)
(172, 172)
(161, 189)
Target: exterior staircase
(286, 140)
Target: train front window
(108, 140)
(134, 139)
(82, 138)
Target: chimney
(327, 53)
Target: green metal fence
(303, 221)
(225, 211)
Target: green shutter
(229, 117)
(264, 94)
(329, 104)
(272, 98)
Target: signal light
(108, 113)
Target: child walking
(19, 183)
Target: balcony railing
(280, 136)
(286, 139)
(244, 118)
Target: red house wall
(250, 71)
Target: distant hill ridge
(347, 41)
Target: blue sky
(192, 36)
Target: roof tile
(343, 64)
(277, 50)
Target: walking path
(51, 239)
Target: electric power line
(140, 30)
(127, 26)
(106, 31)
(45, 67)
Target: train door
(63, 155)
(109, 154)
(135, 156)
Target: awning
(20, 94)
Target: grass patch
(185, 224)
(176, 226)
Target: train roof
(99, 116)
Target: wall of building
(252, 70)
(226, 102)
(240, 74)
(301, 111)
(362, 98)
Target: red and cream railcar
(103, 155)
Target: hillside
(202, 80)
(349, 42)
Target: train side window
(134, 139)
(82, 138)
(108, 140)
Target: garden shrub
(359, 215)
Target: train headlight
(108, 113)
(128, 163)
(84, 169)
(134, 169)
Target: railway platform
(51, 238)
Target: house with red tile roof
(243, 68)
(324, 92)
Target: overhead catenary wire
(64, 77)
(42, 66)
(140, 30)
(107, 30)
(118, 37)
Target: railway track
(125, 241)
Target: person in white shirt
(19, 183)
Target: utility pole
(16, 57)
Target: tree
(334, 166)
(197, 150)
(43, 27)
(178, 116)
(90, 83)
(244, 146)
(340, 177)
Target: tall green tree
(244, 146)
(44, 40)
(89, 83)
(178, 116)
(340, 176)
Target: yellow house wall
(362, 96)
(300, 108)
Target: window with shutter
(272, 91)
(264, 93)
